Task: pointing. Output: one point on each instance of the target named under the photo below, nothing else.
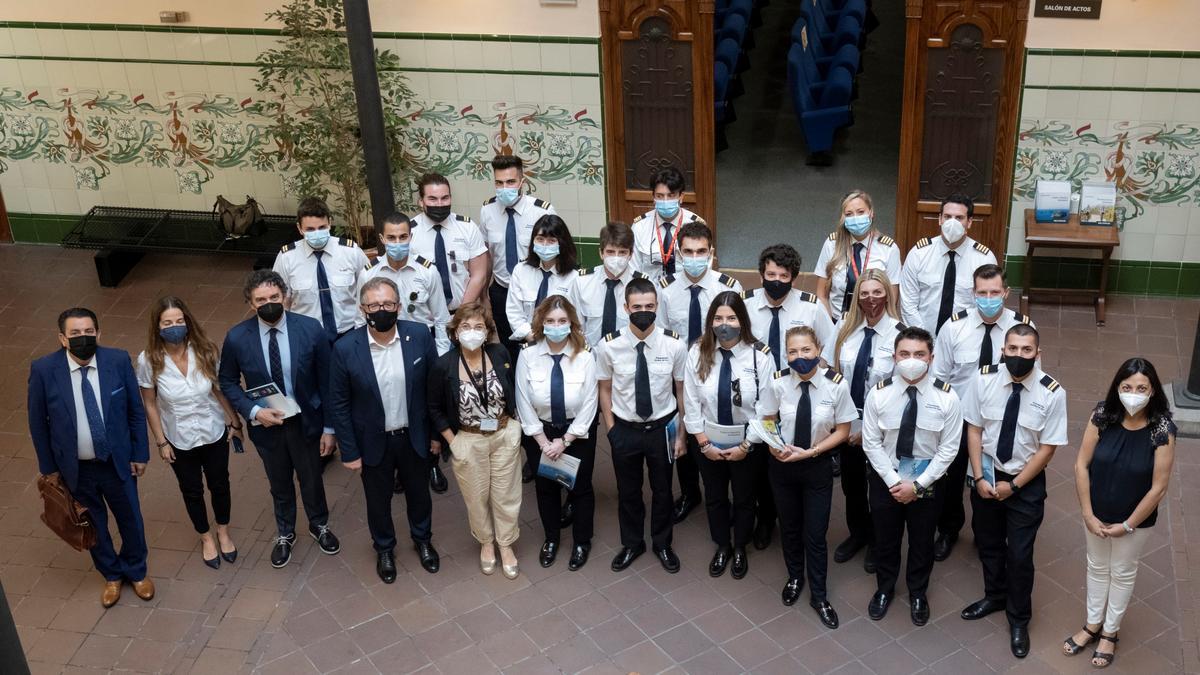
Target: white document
(725, 436)
(768, 431)
(269, 396)
(563, 470)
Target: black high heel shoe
(230, 557)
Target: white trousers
(1112, 566)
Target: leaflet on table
(563, 470)
(269, 396)
(725, 436)
(768, 431)
(911, 469)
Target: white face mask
(912, 369)
(471, 339)
(1133, 402)
(952, 230)
(616, 264)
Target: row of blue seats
(732, 38)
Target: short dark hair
(989, 271)
(695, 230)
(616, 234)
(1024, 330)
(395, 218)
(76, 313)
(914, 333)
(502, 162)
(669, 176)
(430, 179)
(263, 277)
(550, 225)
(639, 285)
(312, 207)
(959, 198)
(784, 255)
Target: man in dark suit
(377, 403)
(292, 352)
(88, 425)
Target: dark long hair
(1113, 412)
(551, 225)
(207, 356)
(708, 341)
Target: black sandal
(1106, 659)
(1072, 648)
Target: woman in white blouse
(549, 268)
(556, 403)
(191, 423)
(854, 247)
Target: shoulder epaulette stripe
(727, 280)
(541, 203)
(423, 262)
(612, 336)
(886, 240)
(697, 219)
(671, 333)
(462, 218)
(639, 275)
(960, 314)
(346, 241)
(883, 383)
(369, 264)
(746, 295)
(833, 375)
(900, 326)
(1021, 318)
(583, 271)
(805, 296)
(526, 345)
(981, 248)
(1050, 383)
(780, 373)
(832, 236)
(988, 369)
(490, 200)
(587, 348)
(665, 281)
(286, 247)
(944, 386)
(641, 217)
(923, 242)
(758, 345)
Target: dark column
(370, 109)
(1187, 392)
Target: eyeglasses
(386, 306)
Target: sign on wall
(1067, 9)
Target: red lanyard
(866, 260)
(666, 255)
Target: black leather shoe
(669, 560)
(981, 608)
(527, 471)
(230, 557)
(943, 546)
(385, 566)
(741, 564)
(397, 486)
(847, 549)
(626, 556)
(919, 610)
(879, 605)
(762, 534)
(430, 559)
(720, 561)
(437, 480)
(683, 507)
(1020, 641)
(214, 562)
(281, 554)
(579, 556)
(567, 518)
(549, 553)
(869, 560)
(826, 614)
(329, 544)
(791, 591)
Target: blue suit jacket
(242, 358)
(354, 401)
(52, 413)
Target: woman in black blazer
(472, 404)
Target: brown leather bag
(64, 516)
(239, 220)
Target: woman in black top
(1121, 476)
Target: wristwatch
(1128, 529)
(566, 443)
(1015, 488)
(919, 489)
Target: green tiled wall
(1124, 276)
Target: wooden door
(658, 97)
(962, 89)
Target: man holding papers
(911, 428)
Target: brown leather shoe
(144, 589)
(111, 593)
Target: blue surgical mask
(989, 306)
(556, 333)
(397, 251)
(804, 366)
(695, 267)
(173, 334)
(546, 251)
(858, 225)
(317, 238)
(508, 195)
(667, 208)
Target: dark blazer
(242, 357)
(444, 386)
(52, 413)
(354, 400)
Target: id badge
(489, 424)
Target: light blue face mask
(858, 225)
(694, 267)
(397, 251)
(556, 333)
(508, 195)
(989, 306)
(546, 251)
(667, 208)
(317, 238)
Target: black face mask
(382, 320)
(642, 320)
(1019, 366)
(82, 347)
(776, 289)
(438, 213)
(270, 312)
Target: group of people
(485, 342)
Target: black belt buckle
(397, 432)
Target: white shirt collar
(264, 328)
(383, 345)
(75, 365)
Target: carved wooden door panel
(962, 88)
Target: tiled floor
(331, 613)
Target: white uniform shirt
(924, 271)
(523, 291)
(187, 407)
(799, 308)
(648, 249)
(750, 379)
(879, 252)
(616, 360)
(463, 241)
(1041, 418)
(675, 298)
(343, 261)
(388, 359)
(83, 430)
(956, 349)
(535, 366)
(493, 224)
(883, 350)
(829, 403)
(938, 430)
(587, 295)
(421, 297)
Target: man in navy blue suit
(377, 402)
(89, 427)
(292, 352)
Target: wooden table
(1071, 234)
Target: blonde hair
(800, 331)
(575, 339)
(842, 239)
(854, 318)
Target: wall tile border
(1120, 53)
(1137, 277)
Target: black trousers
(192, 468)
(1004, 534)
(549, 492)
(891, 518)
(294, 456)
(854, 487)
(764, 496)
(399, 460)
(634, 444)
(804, 493)
(688, 470)
(498, 295)
(719, 478)
(950, 490)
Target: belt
(651, 425)
(396, 432)
(548, 423)
(501, 422)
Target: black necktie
(862, 364)
(543, 288)
(327, 319)
(773, 336)
(668, 254)
(641, 385)
(947, 306)
(608, 323)
(985, 347)
(558, 399)
(802, 437)
(276, 360)
(851, 277)
(694, 315)
(439, 259)
(1008, 428)
(511, 255)
(725, 389)
(908, 426)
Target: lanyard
(866, 260)
(666, 255)
(480, 387)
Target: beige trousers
(488, 469)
